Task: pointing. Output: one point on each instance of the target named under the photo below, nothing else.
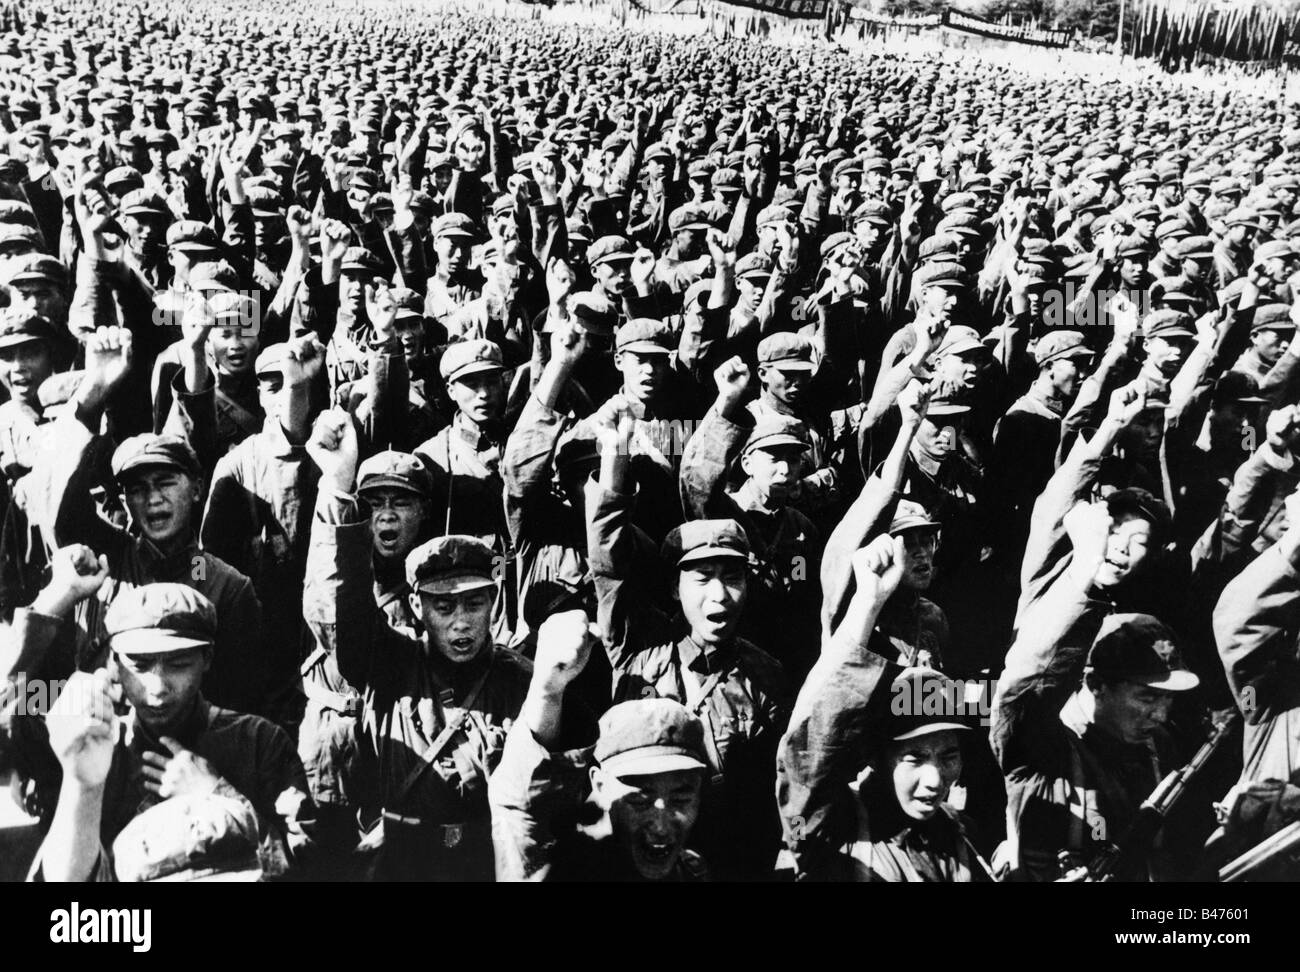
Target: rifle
(1137, 840)
(1285, 841)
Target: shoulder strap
(441, 741)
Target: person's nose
(929, 779)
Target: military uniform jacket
(438, 733)
(545, 827)
(739, 692)
(1070, 787)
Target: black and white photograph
(651, 441)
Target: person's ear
(746, 462)
(414, 600)
(599, 793)
(207, 657)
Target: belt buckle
(452, 834)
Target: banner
(799, 9)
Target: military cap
(959, 339)
(874, 211)
(687, 218)
(282, 161)
(610, 249)
(1195, 247)
(966, 222)
(646, 737)
(503, 205)
(959, 200)
(807, 165)
(1040, 252)
(150, 449)
(1200, 178)
(704, 540)
(358, 259)
(910, 515)
(1134, 247)
(945, 407)
(465, 358)
(409, 302)
(30, 267)
(271, 359)
(1168, 324)
(453, 225)
(772, 430)
(192, 236)
(190, 838)
(644, 335)
(940, 246)
(399, 470)
(660, 151)
(453, 564)
(753, 267)
(836, 242)
(122, 179)
(951, 276)
(594, 312)
(1239, 388)
(1226, 186)
(20, 327)
(264, 201)
(726, 180)
(1274, 249)
(143, 202)
(1138, 648)
(1145, 210)
(773, 215)
(155, 618)
(786, 351)
(421, 203)
(1172, 290)
(1272, 317)
(701, 169)
(1060, 344)
(951, 714)
(229, 306)
(1173, 228)
(1241, 216)
(578, 230)
(213, 275)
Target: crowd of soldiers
(451, 447)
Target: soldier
(695, 658)
(644, 779)
(176, 743)
(897, 826)
(439, 704)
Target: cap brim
(929, 728)
(651, 761)
(613, 258)
(13, 340)
(476, 368)
(934, 410)
(711, 553)
(1175, 680)
(454, 585)
(390, 482)
(644, 347)
(777, 442)
(154, 641)
(913, 523)
(961, 347)
(192, 246)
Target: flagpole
(1119, 30)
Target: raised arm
(1255, 624)
(338, 599)
(831, 727)
(532, 785)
